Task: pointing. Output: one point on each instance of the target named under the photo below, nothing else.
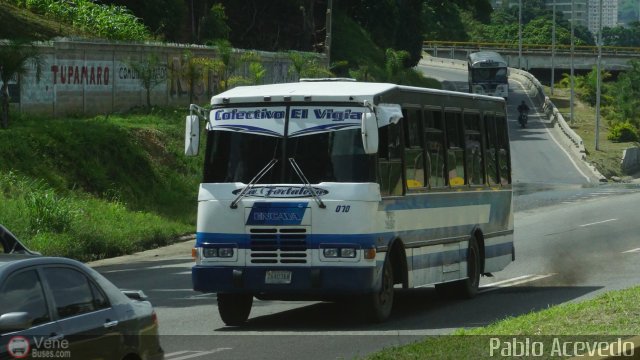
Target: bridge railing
(546, 48)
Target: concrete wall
(94, 77)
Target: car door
(85, 316)
(23, 291)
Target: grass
(608, 157)
(607, 317)
(99, 187)
(21, 23)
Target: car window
(72, 292)
(99, 299)
(22, 292)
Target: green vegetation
(607, 158)
(15, 57)
(100, 187)
(23, 24)
(623, 132)
(619, 110)
(604, 318)
(105, 21)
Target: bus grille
(278, 245)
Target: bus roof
(301, 91)
(316, 91)
(486, 57)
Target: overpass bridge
(614, 58)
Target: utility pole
(327, 41)
(519, 34)
(553, 46)
(599, 78)
(571, 73)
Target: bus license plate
(278, 277)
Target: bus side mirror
(192, 135)
(369, 133)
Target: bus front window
(238, 157)
(326, 157)
(331, 157)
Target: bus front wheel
(234, 309)
(380, 303)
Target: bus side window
(434, 135)
(473, 149)
(492, 160)
(390, 160)
(414, 149)
(455, 149)
(504, 157)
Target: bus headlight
(217, 251)
(330, 252)
(348, 252)
(209, 252)
(225, 252)
(342, 251)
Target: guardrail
(546, 48)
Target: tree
(165, 18)
(214, 26)
(627, 101)
(149, 74)
(189, 69)
(304, 65)
(15, 58)
(586, 86)
(622, 36)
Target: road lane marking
(598, 222)
(193, 355)
(632, 251)
(512, 282)
(177, 353)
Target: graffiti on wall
(203, 86)
(96, 74)
(126, 72)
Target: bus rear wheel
(234, 309)
(380, 303)
(466, 288)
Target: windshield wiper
(306, 182)
(253, 181)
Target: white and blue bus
(488, 74)
(343, 190)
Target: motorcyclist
(523, 109)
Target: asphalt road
(574, 239)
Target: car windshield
(336, 156)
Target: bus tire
(466, 288)
(379, 304)
(234, 309)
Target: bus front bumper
(322, 281)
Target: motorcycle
(522, 119)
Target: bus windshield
(336, 156)
(498, 75)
